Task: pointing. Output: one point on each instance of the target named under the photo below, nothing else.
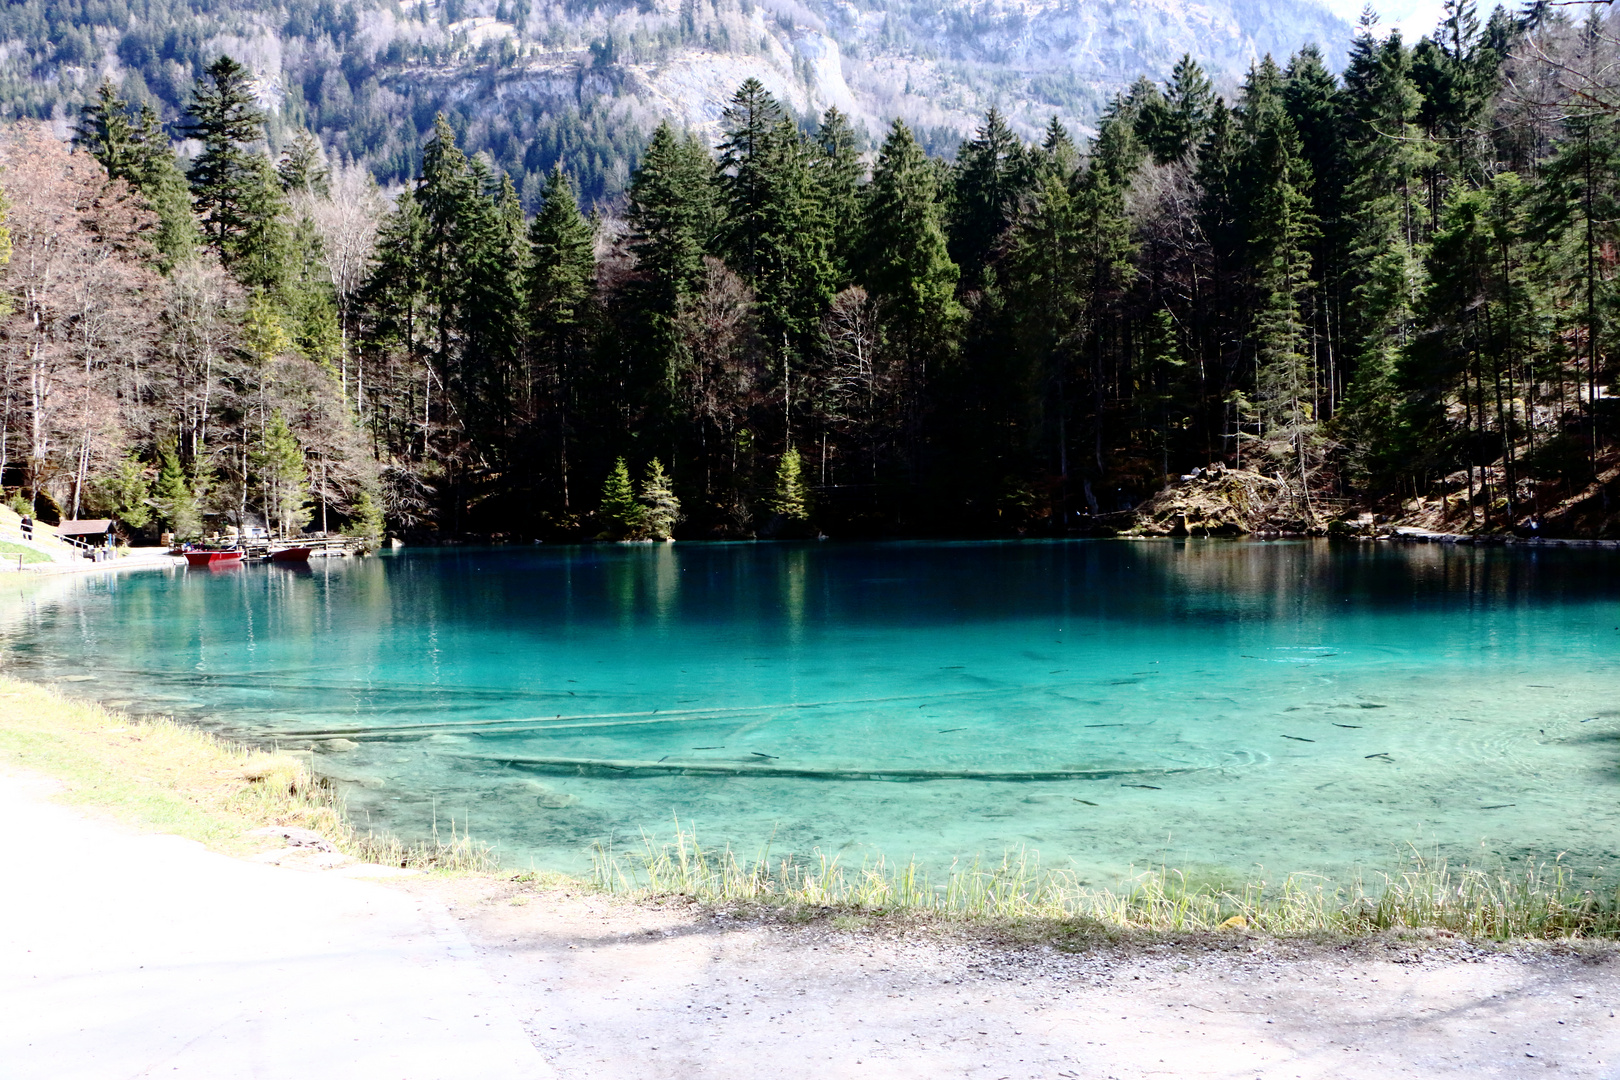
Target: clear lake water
(1235, 709)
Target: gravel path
(608, 989)
(124, 955)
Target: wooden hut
(92, 532)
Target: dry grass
(1540, 902)
(167, 777)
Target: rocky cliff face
(585, 80)
(937, 66)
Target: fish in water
(1087, 802)
(1149, 787)
(767, 757)
(1383, 755)
(1499, 806)
(1103, 725)
(708, 748)
(948, 730)
(1298, 738)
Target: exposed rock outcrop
(1217, 501)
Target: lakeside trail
(126, 955)
(129, 955)
(609, 988)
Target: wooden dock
(254, 550)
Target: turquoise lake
(1232, 708)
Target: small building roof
(87, 527)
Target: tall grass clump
(459, 853)
(1426, 894)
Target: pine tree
(173, 497)
(164, 186)
(307, 297)
(672, 221)
(283, 477)
(1161, 372)
(1386, 156)
(1058, 152)
(137, 151)
(771, 229)
(904, 259)
(394, 295)
(1104, 250)
(1173, 124)
(1577, 215)
(444, 193)
(791, 500)
(493, 323)
(1480, 321)
(671, 214)
(126, 494)
(226, 119)
(1318, 110)
(561, 288)
(365, 518)
(301, 168)
(260, 252)
(1455, 70)
(1279, 227)
(663, 509)
(562, 262)
(991, 178)
(623, 517)
(750, 128)
(838, 175)
(104, 132)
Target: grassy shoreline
(165, 776)
(1425, 896)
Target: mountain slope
(585, 81)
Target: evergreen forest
(1389, 290)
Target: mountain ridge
(584, 83)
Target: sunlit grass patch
(9, 551)
(161, 775)
(1543, 901)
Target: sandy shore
(125, 955)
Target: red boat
(291, 554)
(213, 558)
